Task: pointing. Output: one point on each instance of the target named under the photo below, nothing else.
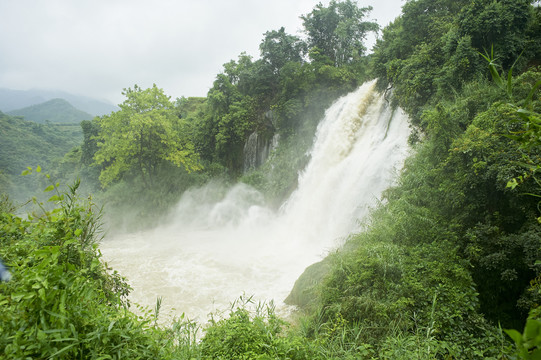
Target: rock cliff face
(257, 149)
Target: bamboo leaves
(504, 84)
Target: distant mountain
(17, 99)
(56, 111)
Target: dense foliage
(142, 135)
(446, 265)
(454, 252)
(61, 302)
(25, 143)
(432, 50)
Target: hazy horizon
(96, 49)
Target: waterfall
(358, 149)
(250, 152)
(223, 243)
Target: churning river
(223, 243)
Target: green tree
(279, 48)
(339, 30)
(431, 51)
(414, 49)
(89, 147)
(235, 102)
(143, 135)
(501, 24)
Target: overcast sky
(98, 47)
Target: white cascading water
(224, 243)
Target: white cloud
(99, 47)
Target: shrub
(63, 302)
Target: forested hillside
(445, 267)
(55, 111)
(26, 143)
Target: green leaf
(19, 296)
(49, 188)
(42, 294)
(515, 335)
(62, 350)
(532, 92)
(509, 88)
(58, 316)
(513, 183)
(533, 329)
(111, 325)
(495, 75)
(536, 354)
(54, 198)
